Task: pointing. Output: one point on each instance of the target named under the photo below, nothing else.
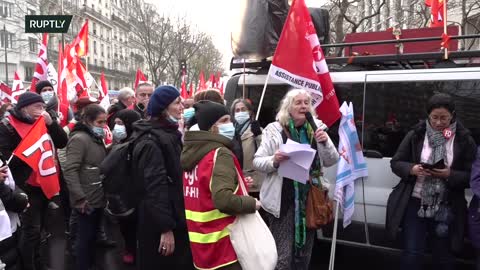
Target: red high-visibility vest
(207, 226)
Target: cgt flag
(139, 79)
(299, 61)
(351, 165)
(438, 19)
(36, 149)
(42, 63)
(17, 88)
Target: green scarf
(303, 135)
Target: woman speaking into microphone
(283, 199)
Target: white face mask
(227, 130)
(242, 117)
(119, 132)
(47, 95)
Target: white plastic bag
(253, 242)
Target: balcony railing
(96, 14)
(120, 22)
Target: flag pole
(244, 87)
(334, 239)
(263, 94)
(445, 49)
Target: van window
(393, 108)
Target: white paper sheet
(298, 166)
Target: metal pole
(63, 36)
(445, 28)
(5, 40)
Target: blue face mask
(119, 132)
(188, 113)
(242, 117)
(98, 131)
(227, 130)
(172, 119)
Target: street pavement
(347, 257)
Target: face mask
(46, 96)
(227, 130)
(119, 132)
(172, 119)
(98, 131)
(242, 117)
(188, 113)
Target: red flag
(184, 93)
(438, 19)
(81, 41)
(17, 88)
(42, 63)
(103, 85)
(139, 79)
(5, 93)
(202, 85)
(190, 91)
(36, 149)
(299, 61)
(62, 77)
(211, 81)
(81, 84)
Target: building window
(95, 62)
(103, 50)
(6, 9)
(94, 47)
(33, 44)
(6, 39)
(29, 73)
(94, 28)
(102, 63)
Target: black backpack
(122, 191)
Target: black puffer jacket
(408, 154)
(9, 140)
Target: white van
(386, 105)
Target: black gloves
(255, 127)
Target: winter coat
(224, 176)
(156, 167)
(474, 207)
(409, 153)
(85, 153)
(9, 252)
(9, 140)
(271, 190)
(112, 112)
(250, 144)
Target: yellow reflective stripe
(207, 238)
(204, 216)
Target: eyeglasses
(442, 119)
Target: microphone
(310, 120)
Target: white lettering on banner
(44, 144)
(190, 190)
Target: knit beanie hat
(40, 85)
(161, 98)
(128, 117)
(28, 98)
(208, 112)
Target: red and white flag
(42, 63)
(81, 41)
(299, 61)
(37, 151)
(438, 19)
(5, 93)
(139, 79)
(62, 90)
(17, 88)
(104, 98)
(190, 91)
(183, 92)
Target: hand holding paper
(297, 166)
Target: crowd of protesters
(189, 158)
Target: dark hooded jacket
(224, 176)
(85, 153)
(112, 113)
(408, 154)
(156, 168)
(9, 140)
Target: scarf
(303, 135)
(434, 189)
(240, 129)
